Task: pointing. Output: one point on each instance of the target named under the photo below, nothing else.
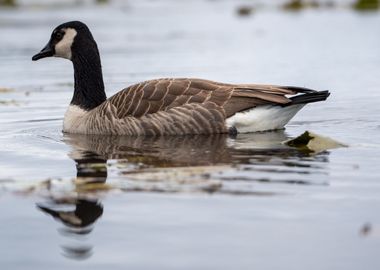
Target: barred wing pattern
(163, 94)
(180, 106)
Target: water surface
(195, 202)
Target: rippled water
(194, 202)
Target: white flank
(263, 118)
(74, 121)
(63, 48)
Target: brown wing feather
(192, 118)
(158, 95)
(163, 94)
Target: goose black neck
(89, 87)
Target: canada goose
(166, 106)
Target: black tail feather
(309, 97)
(299, 89)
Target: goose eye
(58, 35)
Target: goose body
(166, 106)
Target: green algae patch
(101, 2)
(296, 5)
(311, 142)
(8, 3)
(366, 5)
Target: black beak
(47, 51)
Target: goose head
(67, 41)
(74, 41)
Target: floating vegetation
(185, 179)
(198, 179)
(5, 90)
(296, 5)
(244, 11)
(102, 1)
(8, 3)
(11, 102)
(366, 5)
(311, 142)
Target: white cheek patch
(63, 48)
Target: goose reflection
(175, 151)
(161, 151)
(77, 213)
(256, 157)
(260, 157)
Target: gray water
(195, 202)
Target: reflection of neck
(87, 171)
(89, 87)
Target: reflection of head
(86, 213)
(78, 222)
